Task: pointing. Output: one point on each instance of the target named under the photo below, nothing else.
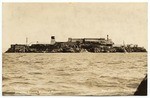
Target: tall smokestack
(52, 40)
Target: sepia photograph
(74, 48)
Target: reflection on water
(73, 74)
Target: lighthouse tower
(52, 40)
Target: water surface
(97, 74)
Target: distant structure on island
(75, 45)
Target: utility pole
(26, 41)
(123, 43)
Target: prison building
(102, 41)
(85, 39)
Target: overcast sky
(39, 21)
